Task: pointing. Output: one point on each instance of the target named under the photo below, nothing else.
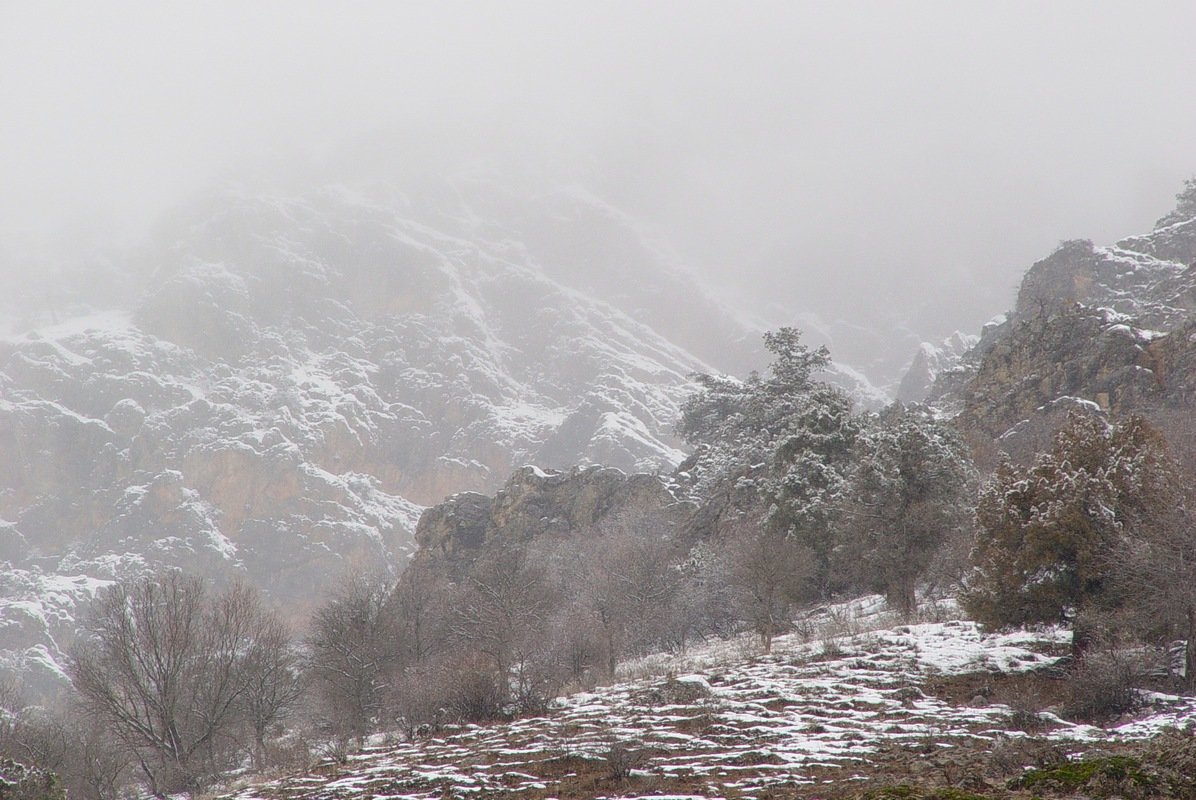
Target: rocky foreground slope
(821, 716)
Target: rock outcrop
(536, 503)
(1112, 328)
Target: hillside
(848, 706)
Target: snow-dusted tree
(350, 652)
(786, 433)
(910, 491)
(1047, 533)
(1185, 206)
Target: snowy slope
(733, 726)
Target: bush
(477, 694)
(620, 760)
(21, 782)
(1101, 688)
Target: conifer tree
(910, 491)
(1048, 534)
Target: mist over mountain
(278, 384)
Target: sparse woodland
(178, 684)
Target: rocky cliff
(535, 503)
(1110, 327)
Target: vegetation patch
(907, 792)
(1108, 776)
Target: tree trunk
(1081, 638)
(904, 595)
(1190, 651)
(612, 659)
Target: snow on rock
(931, 361)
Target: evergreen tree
(787, 435)
(1185, 205)
(1048, 533)
(910, 491)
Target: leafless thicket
(186, 679)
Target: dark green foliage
(1047, 533)
(786, 434)
(909, 492)
(1111, 776)
(767, 419)
(871, 498)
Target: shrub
(1101, 688)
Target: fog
(847, 159)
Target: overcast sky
(810, 153)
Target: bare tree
(418, 609)
(418, 697)
(166, 666)
(351, 651)
(627, 583)
(272, 680)
(89, 764)
(1155, 573)
(767, 572)
(503, 607)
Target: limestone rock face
(535, 503)
(459, 524)
(1112, 328)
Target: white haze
(857, 160)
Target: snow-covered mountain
(277, 387)
(930, 361)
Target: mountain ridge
(298, 377)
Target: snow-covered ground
(816, 709)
